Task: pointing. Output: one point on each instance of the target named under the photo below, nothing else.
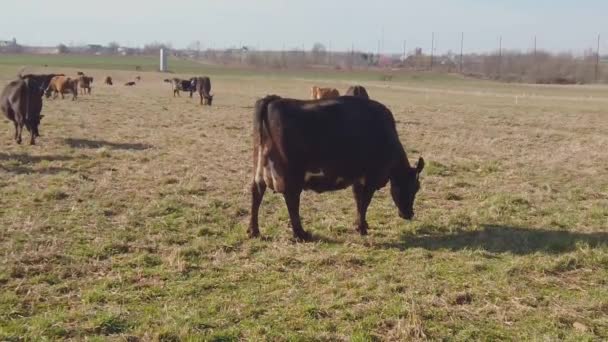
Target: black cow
(85, 84)
(357, 91)
(182, 85)
(202, 86)
(21, 103)
(328, 145)
(130, 84)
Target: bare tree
(318, 53)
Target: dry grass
(128, 221)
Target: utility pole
(461, 50)
(537, 67)
(432, 48)
(597, 60)
(499, 54)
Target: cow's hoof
(253, 234)
(361, 228)
(302, 236)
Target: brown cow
(85, 84)
(202, 85)
(60, 85)
(324, 93)
(357, 91)
(328, 145)
(108, 80)
(129, 84)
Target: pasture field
(128, 220)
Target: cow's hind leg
(257, 194)
(363, 196)
(292, 199)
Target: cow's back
(348, 134)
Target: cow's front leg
(257, 194)
(19, 132)
(292, 199)
(32, 137)
(363, 196)
(16, 130)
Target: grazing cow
(85, 84)
(357, 91)
(80, 73)
(329, 145)
(137, 78)
(60, 85)
(129, 84)
(202, 85)
(21, 103)
(108, 80)
(182, 85)
(323, 93)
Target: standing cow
(329, 145)
(323, 93)
(108, 80)
(202, 85)
(357, 91)
(21, 103)
(183, 85)
(60, 85)
(85, 84)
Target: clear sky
(560, 25)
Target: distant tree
(154, 47)
(318, 53)
(62, 48)
(113, 47)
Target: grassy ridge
(183, 66)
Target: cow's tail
(260, 119)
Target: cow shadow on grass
(24, 170)
(85, 143)
(504, 239)
(28, 159)
(20, 163)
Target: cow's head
(209, 99)
(404, 187)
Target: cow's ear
(420, 165)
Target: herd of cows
(328, 143)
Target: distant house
(8, 43)
(126, 51)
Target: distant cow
(21, 103)
(202, 86)
(85, 84)
(129, 84)
(138, 78)
(323, 93)
(60, 85)
(328, 145)
(108, 80)
(357, 91)
(80, 73)
(182, 85)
